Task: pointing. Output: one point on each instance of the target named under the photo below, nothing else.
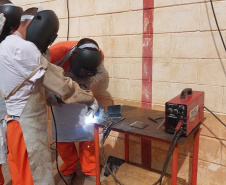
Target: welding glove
(52, 99)
(2, 22)
(92, 109)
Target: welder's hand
(47, 54)
(2, 22)
(92, 109)
(53, 99)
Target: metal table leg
(126, 148)
(97, 153)
(195, 156)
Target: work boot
(90, 178)
(93, 178)
(68, 179)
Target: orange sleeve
(59, 50)
(102, 54)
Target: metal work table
(132, 114)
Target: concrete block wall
(193, 56)
(186, 52)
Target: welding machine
(188, 107)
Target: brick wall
(187, 52)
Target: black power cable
(57, 148)
(224, 49)
(214, 115)
(105, 135)
(68, 20)
(105, 161)
(176, 137)
(217, 24)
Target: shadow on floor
(79, 178)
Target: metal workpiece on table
(149, 132)
(132, 114)
(153, 130)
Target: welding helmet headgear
(42, 30)
(86, 58)
(12, 14)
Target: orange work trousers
(69, 155)
(18, 159)
(1, 176)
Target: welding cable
(68, 20)
(177, 134)
(107, 128)
(105, 135)
(217, 24)
(214, 115)
(166, 159)
(169, 154)
(105, 161)
(180, 133)
(57, 147)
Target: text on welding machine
(187, 107)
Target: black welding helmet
(12, 14)
(86, 59)
(42, 30)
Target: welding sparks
(90, 119)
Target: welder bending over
(82, 61)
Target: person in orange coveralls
(82, 61)
(9, 20)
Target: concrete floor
(78, 180)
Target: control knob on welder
(170, 110)
(175, 111)
(181, 108)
